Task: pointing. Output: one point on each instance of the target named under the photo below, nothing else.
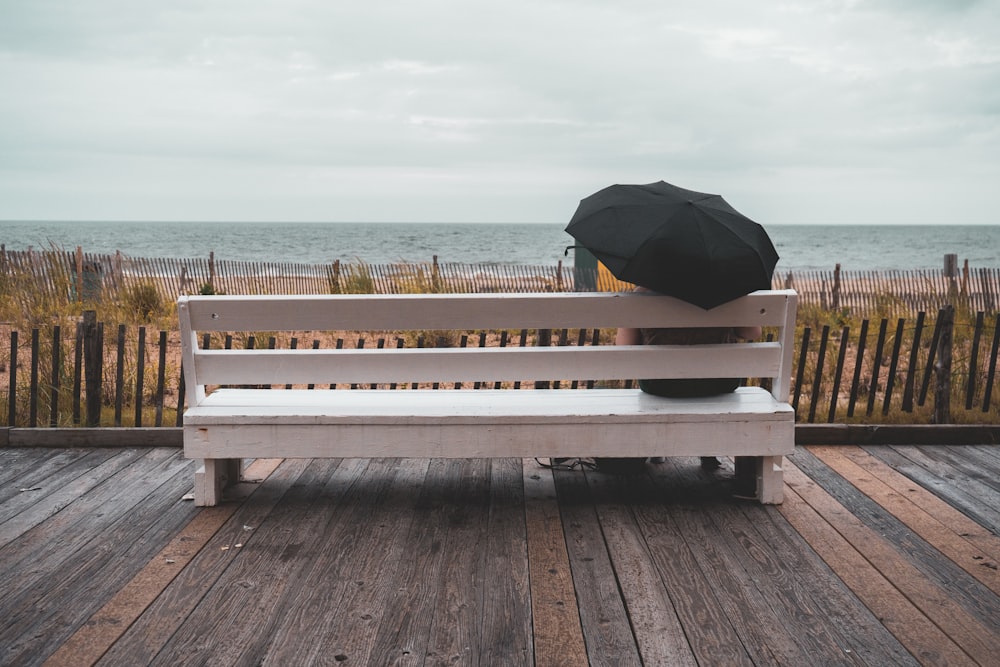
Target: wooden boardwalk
(879, 556)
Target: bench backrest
(476, 312)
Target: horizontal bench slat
(382, 312)
(485, 364)
(494, 406)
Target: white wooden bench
(223, 426)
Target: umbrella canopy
(687, 244)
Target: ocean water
(801, 247)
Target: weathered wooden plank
(895, 434)
(916, 558)
(949, 536)
(454, 635)
(30, 511)
(403, 635)
(941, 480)
(736, 564)
(102, 630)
(988, 454)
(603, 616)
(243, 603)
(961, 475)
(782, 600)
(58, 606)
(712, 637)
(340, 597)
(658, 632)
(975, 466)
(968, 529)
(505, 620)
(22, 468)
(29, 492)
(148, 638)
(558, 636)
(823, 597)
(91, 438)
(921, 615)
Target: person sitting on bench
(680, 387)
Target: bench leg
(212, 476)
(770, 479)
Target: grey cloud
(199, 109)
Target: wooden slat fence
(938, 369)
(893, 292)
(900, 370)
(41, 280)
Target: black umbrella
(687, 244)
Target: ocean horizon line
(800, 246)
(450, 222)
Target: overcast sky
(797, 111)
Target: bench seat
(478, 422)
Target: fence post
(12, 382)
(818, 377)
(977, 334)
(800, 371)
(334, 277)
(92, 359)
(951, 273)
(77, 374)
(836, 287)
(211, 272)
(56, 370)
(33, 390)
(79, 274)
(989, 298)
(544, 339)
(140, 374)
(942, 368)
